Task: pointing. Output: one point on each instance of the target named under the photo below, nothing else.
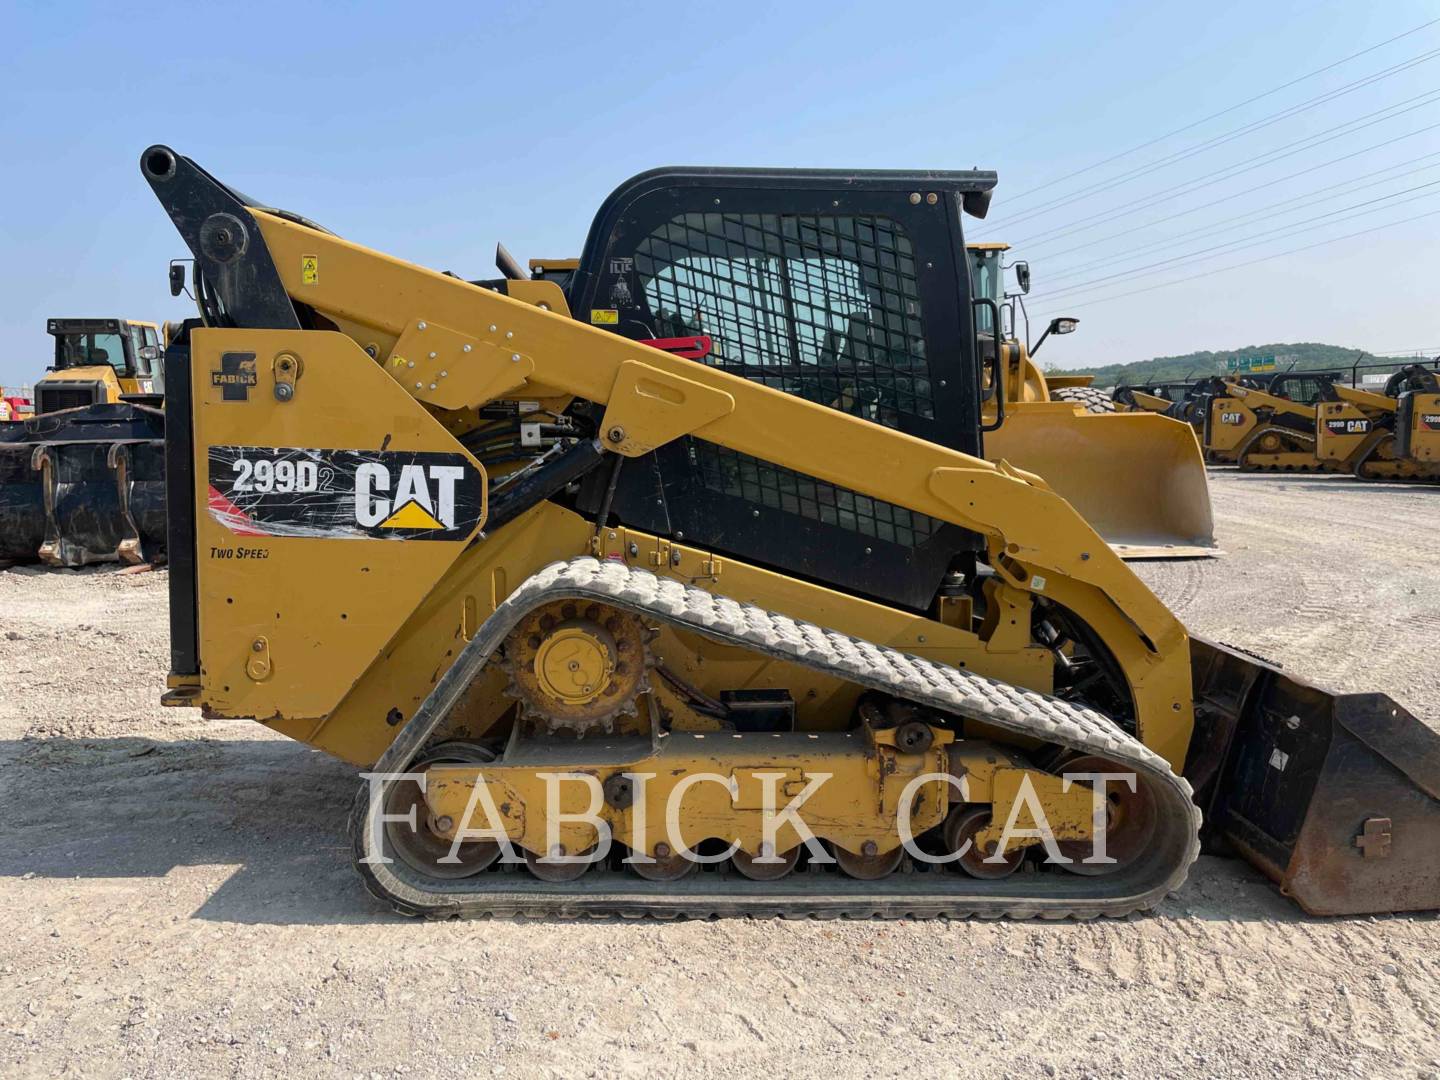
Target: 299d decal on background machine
(715, 602)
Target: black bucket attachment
(84, 486)
(1334, 796)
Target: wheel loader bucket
(1137, 478)
(83, 486)
(1336, 797)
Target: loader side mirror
(1062, 325)
(177, 278)
(1022, 276)
(149, 352)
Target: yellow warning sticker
(309, 269)
(605, 316)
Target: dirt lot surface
(176, 896)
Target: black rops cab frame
(849, 289)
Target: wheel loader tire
(1094, 399)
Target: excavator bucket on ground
(82, 478)
(83, 485)
(639, 621)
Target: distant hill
(1305, 354)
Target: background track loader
(1389, 433)
(1266, 422)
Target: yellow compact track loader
(1138, 479)
(82, 477)
(1266, 424)
(1393, 435)
(640, 622)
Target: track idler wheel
(765, 871)
(869, 864)
(423, 848)
(665, 865)
(965, 823)
(1129, 824)
(548, 870)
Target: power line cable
(1090, 245)
(1242, 220)
(1189, 187)
(1251, 262)
(1284, 231)
(1223, 112)
(1218, 140)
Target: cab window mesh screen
(1306, 390)
(826, 308)
(764, 484)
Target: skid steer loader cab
(1266, 423)
(847, 290)
(747, 553)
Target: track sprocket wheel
(577, 665)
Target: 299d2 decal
(345, 494)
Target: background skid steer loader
(1384, 434)
(82, 480)
(1266, 422)
(1138, 478)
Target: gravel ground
(176, 895)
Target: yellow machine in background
(639, 567)
(1137, 478)
(101, 361)
(1266, 423)
(1393, 435)
(82, 476)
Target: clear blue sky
(429, 131)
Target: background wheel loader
(101, 362)
(1390, 435)
(1138, 479)
(82, 479)
(592, 607)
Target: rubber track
(1306, 443)
(502, 891)
(1363, 467)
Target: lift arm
(448, 342)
